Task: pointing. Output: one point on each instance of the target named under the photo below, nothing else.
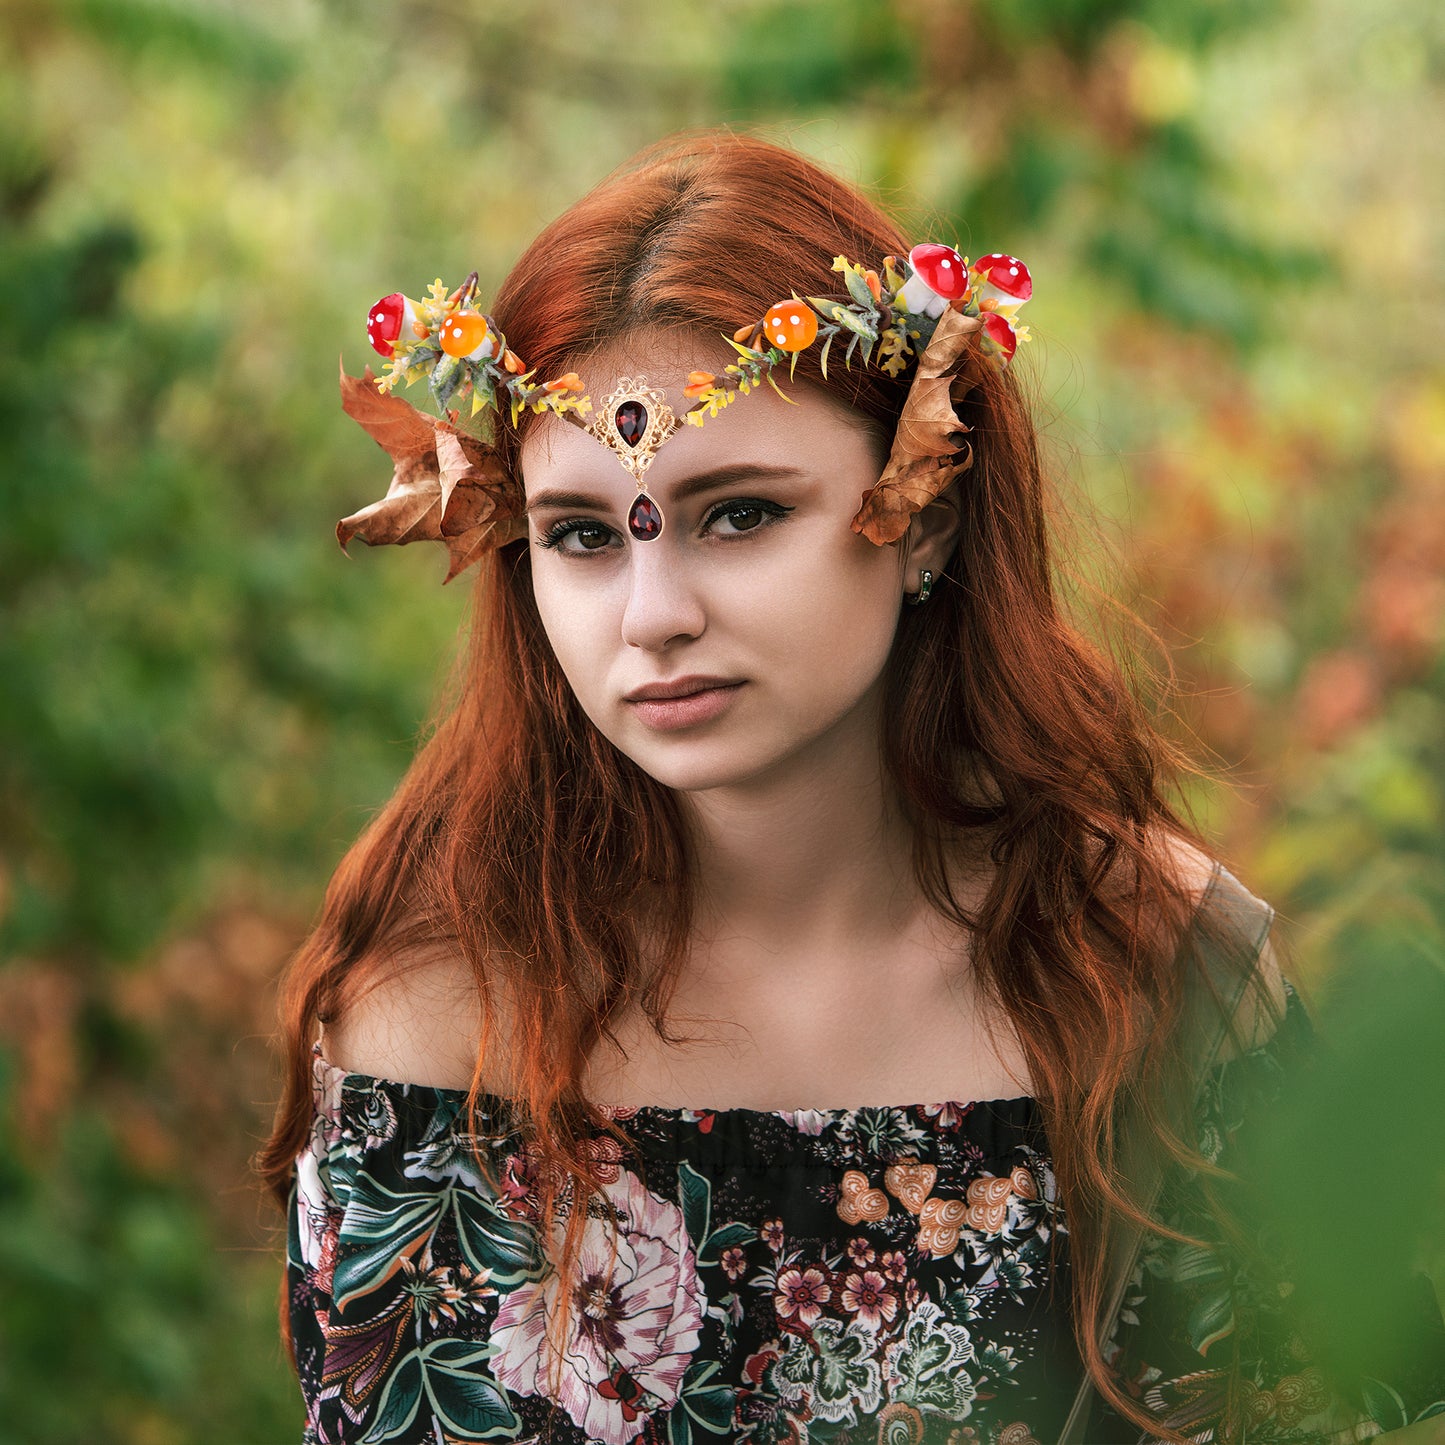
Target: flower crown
(450, 486)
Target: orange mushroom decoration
(791, 325)
(466, 334)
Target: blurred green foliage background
(1234, 215)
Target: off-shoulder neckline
(490, 1102)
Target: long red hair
(522, 840)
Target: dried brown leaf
(446, 486)
(482, 508)
(465, 547)
(395, 425)
(930, 447)
(476, 487)
(409, 512)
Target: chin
(697, 764)
(696, 775)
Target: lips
(679, 687)
(691, 710)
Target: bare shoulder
(416, 1019)
(1265, 1002)
(1189, 863)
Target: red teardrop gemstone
(631, 422)
(644, 521)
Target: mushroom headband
(935, 309)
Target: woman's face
(756, 577)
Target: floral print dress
(873, 1274)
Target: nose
(663, 601)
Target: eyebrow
(717, 477)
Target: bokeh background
(1233, 212)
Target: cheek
(575, 629)
(833, 612)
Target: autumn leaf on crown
(446, 486)
(929, 446)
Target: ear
(931, 537)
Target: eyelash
(554, 534)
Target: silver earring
(925, 586)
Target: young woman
(848, 1049)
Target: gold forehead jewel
(634, 422)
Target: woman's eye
(558, 533)
(746, 510)
(748, 515)
(599, 534)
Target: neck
(812, 860)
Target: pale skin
(818, 977)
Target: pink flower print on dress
(806, 1121)
(945, 1116)
(519, 1195)
(316, 1213)
(801, 1295)
(867, 1296)
(634, 1325)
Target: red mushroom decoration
(385, 321)
(940, 275)
(999, 337)
(1006, 280)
